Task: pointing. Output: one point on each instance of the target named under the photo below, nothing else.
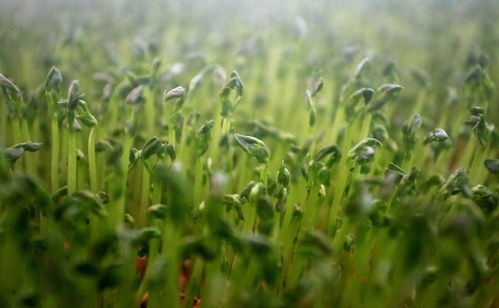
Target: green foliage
(319, 181)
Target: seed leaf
(84, 116)
(152, 146)
(13, 153)
(387, 92)
(365, 93)
(455, 183)
(175, 93)
(254, 147)
(159, 211)
(8, 85)
(361, 67)
(438, 135)
(74, 94)
(484, 198)
(317, 88)
(329, 150)
(53, 80)
(136, 96)
(90, 202)
(283, 176)
(492, 165)
(315, 244)
(367, 142)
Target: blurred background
(442, 38)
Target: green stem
(30, 162)
(149, 111)
(92, 169)
(120, 209)
(16, 132)
(72, 166)
(144, 197)
(198, 181)
(217, 134)
(55, 144)
(3, 122)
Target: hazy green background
(434, 35)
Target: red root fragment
(141, 266)
(143, 301)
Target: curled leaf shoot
(254, 147)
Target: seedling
(335, 175)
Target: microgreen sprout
(319, 181)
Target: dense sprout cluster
(249, 153)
